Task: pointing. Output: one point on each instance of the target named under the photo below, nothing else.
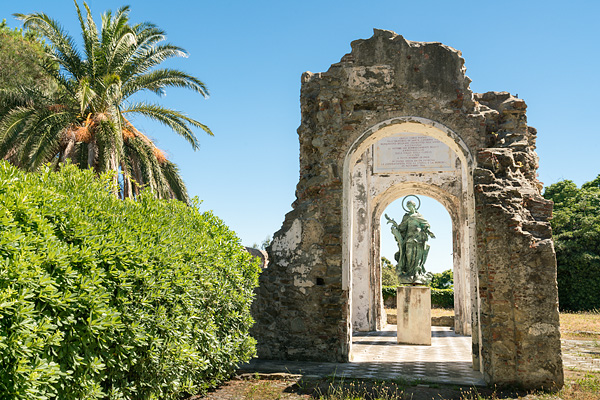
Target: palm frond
(13, 131)
(120, 51)
(157, 80)
(173, 178)
(89, 33)
(85, 95)
(45, 148)
(175, 120)
(112, 93)
(146, 58)
(62, 49)
(42, 140)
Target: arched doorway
(321, 262)
(431, 160)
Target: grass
(359, 389)
(580, 325)
(578, 386)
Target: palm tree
(87, 119)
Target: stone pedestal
(414, 315)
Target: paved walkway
(582, 355)
(448, 360)
(376, 355)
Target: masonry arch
(368, 192)
(387, 86)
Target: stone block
(414, 315)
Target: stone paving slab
(376, 355)
(583, 355)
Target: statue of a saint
(411, 236)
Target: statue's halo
(404, 202)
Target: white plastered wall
(367, 194)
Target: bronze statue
(411, 236)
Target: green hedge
(103, 298)
(388, 291)
(443, 298)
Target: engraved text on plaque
(411, 153)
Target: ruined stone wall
(516, 259)
(302, 306)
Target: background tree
(389, 277)
(440, 280)
(22, 57)
(576, 233)
(264, 244)
(84, 119)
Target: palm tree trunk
(69, 147)
(126, 181)
(92, 153)
(113, 166)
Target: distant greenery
(576, 233)
(388, 291)
(440, 280)
(103, 298)
(442, 294)
(443, 298)
(87, 117)
(388, 273)
(264, 244)
(23, 60)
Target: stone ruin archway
(370, 186)
(305, 306)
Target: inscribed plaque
(411, 152)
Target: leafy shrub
(576, 234)
(388, 291)
(443, 298)
(103, 298)
(440, 280)
(388, 273)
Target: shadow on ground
(372, 389)
(264, 387)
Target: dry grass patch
(580, 325)
(442, 312)
(578, 386)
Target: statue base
(404, 279)
(414, 315)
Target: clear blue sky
(251, 55)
